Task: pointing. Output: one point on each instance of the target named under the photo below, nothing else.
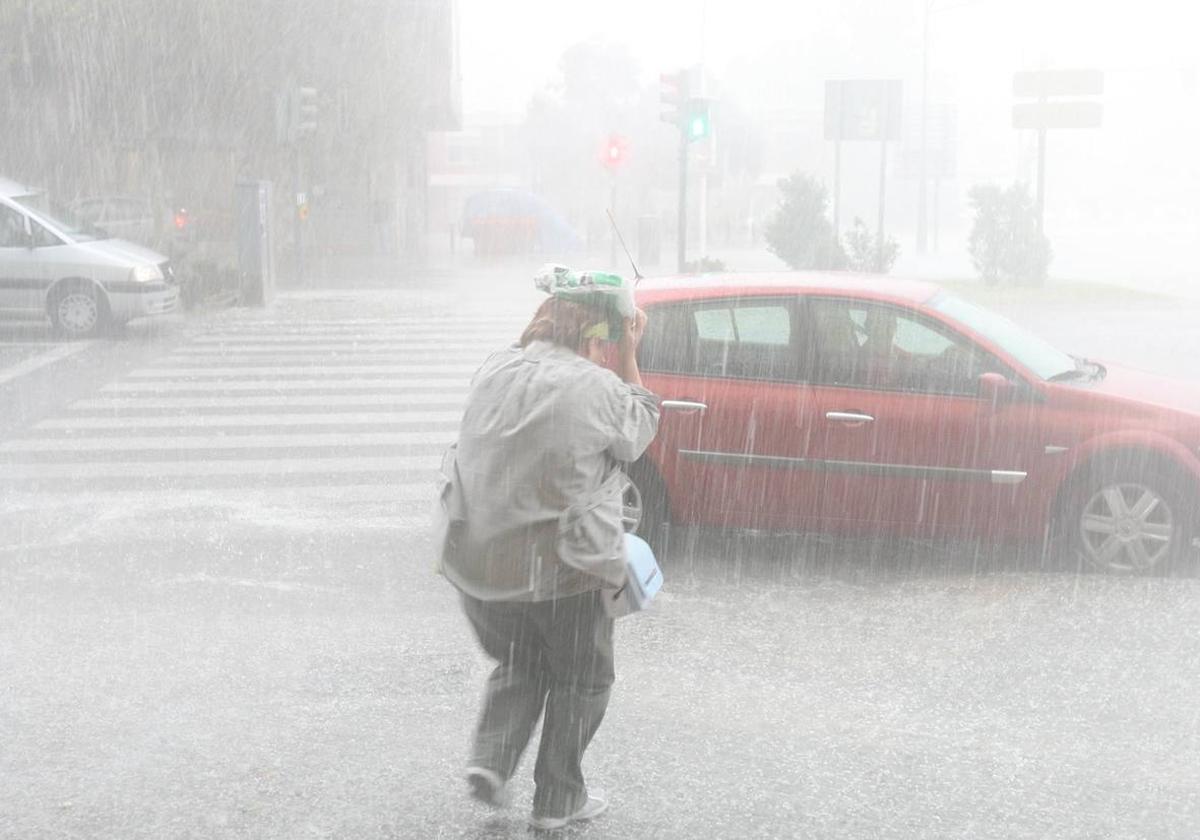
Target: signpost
(688, 108)
(1045, 112)
(928, 152)
(612, 156)
(862, 109)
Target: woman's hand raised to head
(630, 337)
(634, 328)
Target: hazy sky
(510, 47)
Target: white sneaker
(487, 787)
(595, 806)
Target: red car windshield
(1040, 357)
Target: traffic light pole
(612, 236)
(297, 222)
(681, 239)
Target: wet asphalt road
(190, 667)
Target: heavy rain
(867, 330)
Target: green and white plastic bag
(600, 289)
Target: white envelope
(642, 582)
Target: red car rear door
(736, 412)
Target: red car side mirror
(996, 389)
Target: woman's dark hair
(561, 322)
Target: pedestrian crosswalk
(314, 424)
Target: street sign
(1039, 84)
(862, 109)
(1046, 113)
(1069, 114)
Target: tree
(595, 94)
(800, 233)
(1005, 243)
(865, 253)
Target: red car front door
(903, 441)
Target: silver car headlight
(147, 274)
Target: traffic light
(673, 95)
(297, 114)
(684, 105)
(697, 121)
(614, 152)
(307, 111)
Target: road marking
(192, 443)
(42, 359)
(193, 421)
(408, 336)
(432, 320)
(280, 494)
(332, 357)
(266, 345)
(279, 386)
(312, 369)
(455, 398)
(258, 468)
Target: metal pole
(297, 223)
(922, 233)
(882, 190)
(837, 187)
(681, 238)
(1041, 180)
(937, 192)
(612, 235)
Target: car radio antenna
(637, 275)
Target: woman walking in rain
(532, 532)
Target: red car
(854, 405)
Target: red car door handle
(684, 405)
(849, 417)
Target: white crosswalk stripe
(226, 421)
(269, 385)
(309, 424)
(275, 467)
(299, 368)
(123, 405)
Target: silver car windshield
(1039, 356)
(60, 217)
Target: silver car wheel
(1126, 527)
(631, 506)
(78, 312)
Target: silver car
(53, 264)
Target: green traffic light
(698, 127)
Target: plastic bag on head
(600, 289)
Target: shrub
(1005, 243)
(800, 233)
(704, 265)
(863, 251)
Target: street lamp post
(922, 227)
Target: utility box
(255, 242)
(649, 240)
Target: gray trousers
(557, 654)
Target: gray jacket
(530, 499)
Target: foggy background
(419, 105)
(218, 613)
(1123, 201)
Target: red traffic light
(614, 151)
(674, 90)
